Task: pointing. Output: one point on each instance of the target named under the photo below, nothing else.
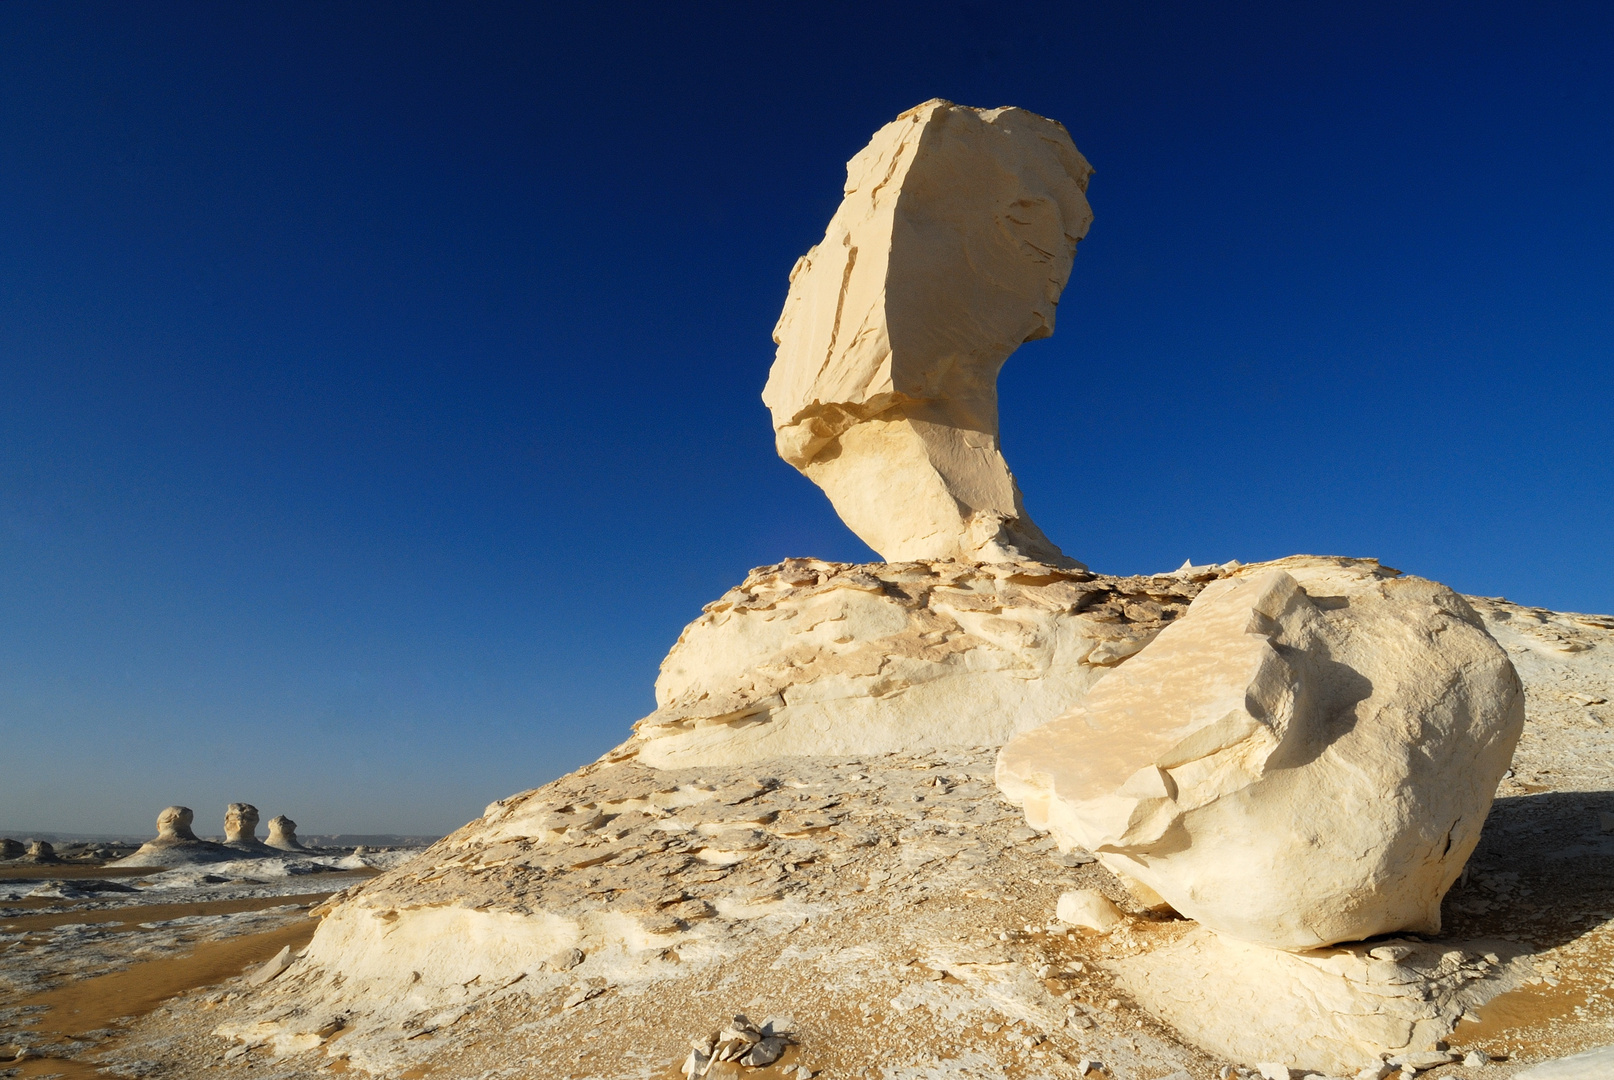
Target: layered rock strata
(950, 249)
(892, 901)
(814, 657)
(1307, 756)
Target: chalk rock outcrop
(41, 851)
(241, 828)
(176, 844)
(283, 834)
(1334, 1010)
(813, 657)
(11, 849)
(1306, 757)
(951, 248)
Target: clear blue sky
(379, 382)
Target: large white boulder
(950, 249)
(813, 657)
(1306, 757)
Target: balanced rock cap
(951, 248)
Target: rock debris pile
(740, 1040)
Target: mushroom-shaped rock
(174, 826)
(950, 249)
(176, 845)
(283, 834)
(241, 827)
(11, 849)
(1305, 757)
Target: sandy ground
(898, 916)
(87, 949)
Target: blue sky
(379, 382)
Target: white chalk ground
(894, 909)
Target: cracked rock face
(951, 248)
(1306, 757)
(814, 657)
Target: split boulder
(1306, 757)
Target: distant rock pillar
(283, 834)
(241, 825)
(174, 825)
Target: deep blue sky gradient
(379, 382)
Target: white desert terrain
(975, 811)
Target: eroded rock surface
(814, 657)
(176, 844)
(1306, 757)
(890, 901)
(241, 827)
(1335, 1010)
(951, 249)
(283, 834)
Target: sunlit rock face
(950, 249)
(283, 834)
(177, 845)
(241, 827)
(174, 826)
(1305, 757)
(814, 657)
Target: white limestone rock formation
(177, 845)
(283, 834)
(1595, 1064)
(813, 657)
(11, 849)
(951, 248)
(891, 901)
(1334, 1010)
(241, 829)
(1306, 757)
